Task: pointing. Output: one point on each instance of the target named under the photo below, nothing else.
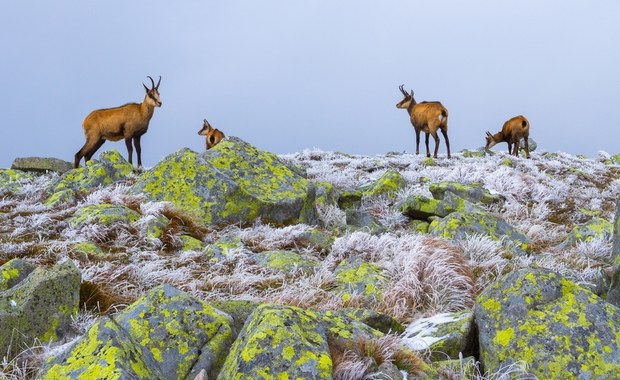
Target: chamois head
(214, 136)
(152, 95)
(490, 141)
(408, 98)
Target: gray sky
(289, 75)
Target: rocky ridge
(237, 263)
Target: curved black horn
(402, 89)
(158, 82)
(152, 82)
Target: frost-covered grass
(545, 197)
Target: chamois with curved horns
(128, 122)
(512, 132)
(213, 135)
(427, 117)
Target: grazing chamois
(214, 136)
(512, 132)
(427, 117)
(128, 122)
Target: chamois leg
(437, 141)
(136, 144)
(417, 141)
(428, 150)
(129, 149)
(84, 151)
(94, 149)
(509, 148)
(515, 148)
(445, 135)
(527, 147)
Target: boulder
(356, 277)
(40, 306)
(279, 342)
(110, 168)
(420, 207)
(597, 228)
(41, 164)
(558, 329)
(232, 183)
(104, 213)
(387, 185)
(167, 334)
(446, 336)
(473, 192)
(221, 248)
(378, 321)
(459, 225)
(350, 198)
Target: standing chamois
(426, 117)
(214, 136)
(128, 122)
(512, 132)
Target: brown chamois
(214, 136)
(128, 122)
(512, 132)
(427, 117)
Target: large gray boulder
(166, 334)
(41, 164)
(36, 304)
(234, 182)
(558, 329)
(282, 341)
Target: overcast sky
(289, 75)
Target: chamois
(128, 122)
(426, 117)
(512, 132)
(214, 136)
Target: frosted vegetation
(545, 197)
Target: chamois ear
(145, 88)
(412, 93)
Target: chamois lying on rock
(427, 117)
(512, 132)
(213, 135)
(128, 122)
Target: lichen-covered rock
(350, 198)
(166, 334)
(356, 277)
(473, 192)
(105, 214)
(110, 168)
(459, 225)
(613, 296)
(41, 164)
(285, 261)
(14, 272)
(481, 152)
(420, 207)
(460, 204)
(560, 330)
(234, 182)
(12, 180)
(597, 228)
(326, 194)
(38, 307)
(60, 197)
(388, 184)
(445, 335)
(279, 342)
